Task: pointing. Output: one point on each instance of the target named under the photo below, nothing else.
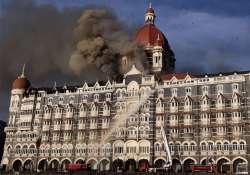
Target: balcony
(205, 121)
(58, 115)
(10, 128)
(188, 135)
(47, 116)
(173, 122)
(187, 122)
(45, 127)
(105, 125)
(159, 110)
(187, 108)
(159, 123)
(106, 113)
(144, 136)
(81, 126)
(93, 113)
(236, 119)
(204, 107)
(57, 127)
(132, 136)
(83, 114)
(93, 126)
(221, 134)
(235, 105)
(221, 121)
(173, 109)
(205, 134)
(69, 115)
(237, 133)
(68, 127)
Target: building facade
(113, 125)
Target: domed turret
(21, 82)
(150, 36)
(150, 15)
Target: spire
(23, 71)
(158, 41)
(150, 5)
(150, 14)
(54, 88)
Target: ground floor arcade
(223, 164)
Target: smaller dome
(150, 10)
(21, 83)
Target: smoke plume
(74, 43)
(103, 41)
(55, 47)
(40, 36)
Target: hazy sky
(206, 36)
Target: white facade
(72, 122)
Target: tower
(19, 86)
(159, 53)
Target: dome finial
(150, 4)
(23, 71)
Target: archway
(64, 164)
(143, 165)
(223, 165)
(239, 165)
(43, 165)
(93, 164)
(186, 165)
(176, 166)
(28, 165)
(54, 165)
(118, 165)
(207, 161)
(17, 165)
(130, 165)
(204, 162)
(160, 163)
(80, 161)
(104, 165)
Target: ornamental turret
(150, 15)
(157, 61)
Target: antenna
(23, 70)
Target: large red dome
(21, 83)
(148, 35)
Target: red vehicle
(144, 167)
(72, 167)
(204, 168)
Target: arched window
(242, 146)
(157, 147)
(18, 149)
(185, 147)
(192, 147)
(219, 146)
(210, 146)
(226, 146)
(234, 146)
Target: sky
(206, 36)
